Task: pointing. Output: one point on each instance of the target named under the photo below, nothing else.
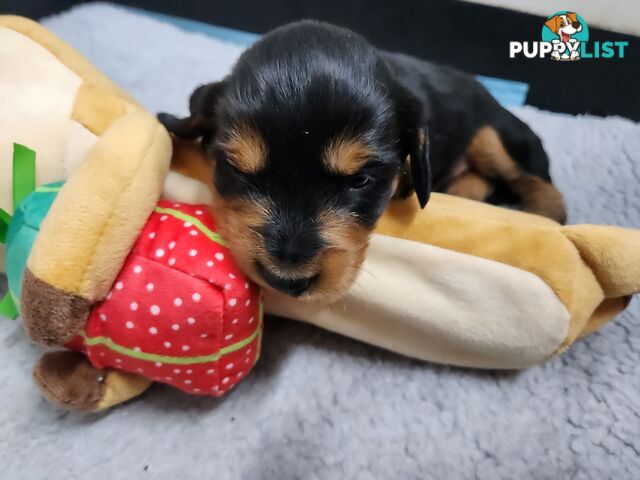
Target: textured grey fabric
(319, 406)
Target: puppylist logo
(565, 37)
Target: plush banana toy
(461, 283)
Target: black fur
(306, 83)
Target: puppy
(564, 26)
(314, 131)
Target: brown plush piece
(68, 379)
(55, 317)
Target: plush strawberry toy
(180, 311)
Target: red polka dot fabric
(180, 311)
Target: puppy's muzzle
(291, 286)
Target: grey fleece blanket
(319, 406)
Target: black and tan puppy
(315, 130)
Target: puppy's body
(313, 132)
(474, 141)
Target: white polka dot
(191, 320)
(119, 285)
(158, 364)
(185, 348)
(102, 354)
(229, 366)
(152, 235)
(225, 380)
(187, 382)
(172, 245)
(251, 320)
(219, 256)
(103, 317)
(109, 295)
(139, 370)
(175, 326)
(137, 349)
(189, 372)
(118, 360)
(199, 212)
(210, 263)
(246, 360)
(176, 370)
(239, 374)
(234, 321)
(150, 287)
(153, 330)
(177, 301)
(193, 233)
(176, 205)
(160, 253)
(227, 286)
(134, 306)
(196, 297)
(196, 390)
(129, 324)
(193, 252)
(172, 261)
(246, 285)
(137, 269)
(163, 218)
(204, 335)
(188, 224)
(249, 350)
(232, 276)
(168, 379)
(210, 371)
(233, 302)
(167, 344)
(155, 309)
(228, 337)
(247, 303)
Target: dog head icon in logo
(566, 30)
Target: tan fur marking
(487, 155)
(342, 260)
(345, 155)
(189, 160)
(245, 149)
(470, 185)
(338, 263)
(540, 197)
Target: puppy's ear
(553, 24)
(414, 139)
(202, 106)
(572, 16)
(421, 166)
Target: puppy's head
(307, 153)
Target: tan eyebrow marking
(346, 155)
(245, 148)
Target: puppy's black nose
(290, 251)
(292, 243)
(293, 287)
